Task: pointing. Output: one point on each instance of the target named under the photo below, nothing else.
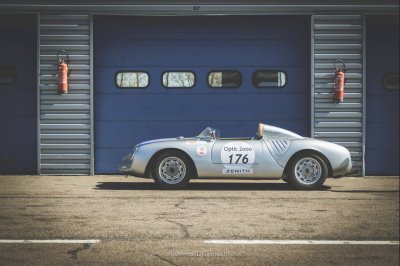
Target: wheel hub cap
(172, 170)
(308, 171)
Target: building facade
(144, 70)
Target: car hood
(163, 140)
(155, 141)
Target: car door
(237, 157)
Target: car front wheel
(172, 170)
(307, 171)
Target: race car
(273, 153)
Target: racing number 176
(240, 158)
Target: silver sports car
(273, 153)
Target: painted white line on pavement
(301, 242)
(49, 241)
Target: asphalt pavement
(121, 221)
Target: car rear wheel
(172, 170)
(307, 171)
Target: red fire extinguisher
(338, 89)
(63, 72)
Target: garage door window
(224, 79)
(131, 79)
(8, 75)
(181, 79)
(391, 81)
(269, 79)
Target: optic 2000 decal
(237, 158)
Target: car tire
(172, 170)
(307, 171)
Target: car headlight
(134, 148)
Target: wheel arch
(313, 152)
(152, 160)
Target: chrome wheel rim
(308, 171)
(172, 170)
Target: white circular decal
(237, 155)
(201, 150)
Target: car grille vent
(280, 146)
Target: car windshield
(208, 133)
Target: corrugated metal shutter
(338, 36)
(65, 120)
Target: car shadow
(201, 186)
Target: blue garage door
(18, 94)
(236, 71)
(382, 139)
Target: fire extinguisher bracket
(340, 61)
(60, 53)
